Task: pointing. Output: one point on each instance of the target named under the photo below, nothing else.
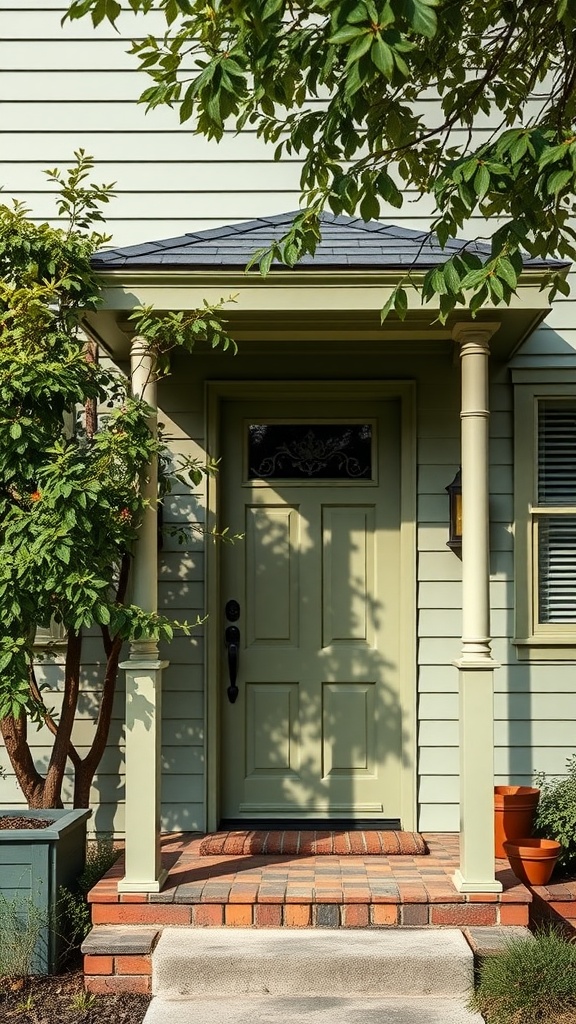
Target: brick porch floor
(297, 892)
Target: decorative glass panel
(310, 451)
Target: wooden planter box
(34, 863)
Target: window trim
(50, 638)
(555, 641)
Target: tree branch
(48, 720)
(57, 765)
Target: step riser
(315, 963)
(302, 1010)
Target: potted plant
(514, 812)
(40, 851)
(556, 813)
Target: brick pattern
(355, 889)
(105, 975)
(555, 903)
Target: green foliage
(556, 813)
(73, 909)
(70, 502)
(72, 485)
(21, 924)
(167, 331)
(376, 64)
(82, 1001)
(532, 982)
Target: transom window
(307, 452)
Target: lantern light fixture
(454, 490)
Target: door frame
(221, 391)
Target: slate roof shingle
(348, 243)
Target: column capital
(144, 650)
(139, 346)
(469, 332)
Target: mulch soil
(18, 821)
(61, 999)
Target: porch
(353, 891)
(308, 311)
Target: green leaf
(558, 180)
(271, 7)
(359, 47)
(382, 57)
(481, 181)
(346, 34)
(506, 271)
(369, 207)
(423, 19)
(552, 156)
(496, 287)
(387, 307)
(452, 278)
(266, 262)
(401, 303)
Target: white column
(144, 872)
(476, 666)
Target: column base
(462, 885)
(155, 885)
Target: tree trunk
(14, 733)
(88, 767)
(57, 765)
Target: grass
(21, 924)
(532, 982)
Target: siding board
(73, 86)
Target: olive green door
(314, 488)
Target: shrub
(74, 912)
(556, 814)
(21, 925)
(532, 982)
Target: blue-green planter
(34, 863)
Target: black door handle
(232, 638)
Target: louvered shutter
(557, 529)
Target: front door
(316, 730)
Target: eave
(311, 304)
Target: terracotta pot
(514, 811)
(533, 860)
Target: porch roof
(347, 243)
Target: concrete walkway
(317, 976)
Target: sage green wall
(65, 87)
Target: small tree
(70, 500)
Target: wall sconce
(454, 490)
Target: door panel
(316, 730)
(348, 574)
(271, 575)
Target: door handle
(232, 640)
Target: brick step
(303, 1009)
(119, 958)
(349, 910)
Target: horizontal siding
(73, 86)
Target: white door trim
(218, 392)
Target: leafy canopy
(375, 65)
(71, 496)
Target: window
(54, 636)
(545, 487)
